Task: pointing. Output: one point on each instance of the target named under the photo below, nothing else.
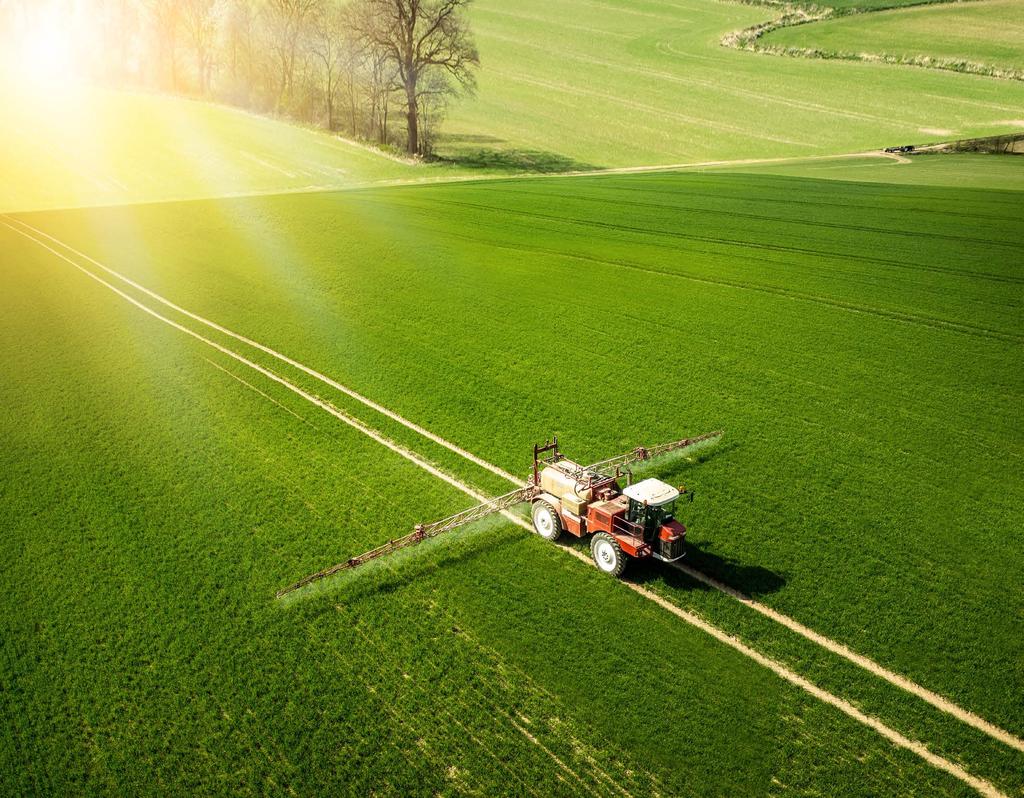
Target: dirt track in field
(283, 358)
(869, 665)
(980, 785)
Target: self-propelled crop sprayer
(636, 522)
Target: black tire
(608, 554)
(547, 521)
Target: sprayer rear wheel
(607, 553)
(546, 521)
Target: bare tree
(238, 41)
(165, 16)
(328, 42)
(287, 20)
(117, 22)
(421, 36)
(200, 18)
(382, 82)
(354, 60)
(432, 98)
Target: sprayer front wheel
(607, 553)
(546, 521)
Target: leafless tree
(432, 98)
(354, 60)
(201, 18)
(382, 82)
(287, 20)
(239, 29)
(165, 16)
(421, 36)
(330, 46)
(117, 22)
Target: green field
(582, 82)
(989, 32)
(565, 85)
(830, 327)
(853, 321)
(172, 500)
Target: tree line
(380, 70)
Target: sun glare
(42, 47)
(46, 53)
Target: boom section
(642, 453)
(419, 534)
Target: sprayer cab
(652, 507)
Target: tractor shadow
(751, 580)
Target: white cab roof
(652, 491)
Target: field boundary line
(285, 359)
(941, 763)
(897, 680)
(432, 180)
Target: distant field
(80, 146)
(564, 85)
(831, 328)
(582, 82)
(987, 32)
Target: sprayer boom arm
(420, 533)
(641, 453)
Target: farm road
(980, 785)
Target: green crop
(855, 325)
(153, 503)
(860, 344)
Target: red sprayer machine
(637, 521)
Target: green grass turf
(624, 82)
(990, 32)
(81, 146)
(152, 504)
(861, 344)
